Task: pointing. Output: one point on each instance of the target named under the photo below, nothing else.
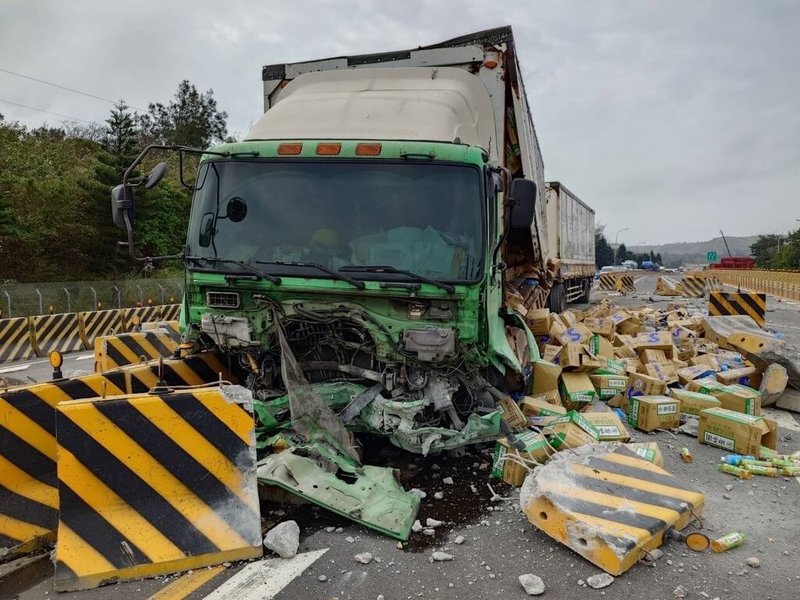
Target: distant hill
(681, 253)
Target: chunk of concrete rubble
(433, 523)
(447, 481)
(679, 592)
(600, 581)
(459, 540)
(533, 584)
(283, 539)
(438, 495)
(419, 493)
(417, 526)
(428, 531)
(364, 558)
(753, 562)
(439, 556)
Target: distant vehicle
(629, 265)
(734, 262)
(649, 265)
(608, 269)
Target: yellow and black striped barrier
(625, 283)
(132, 318)
(739, 303)
(665, 287)
(610, 508)
(28, 495)
(607, 282)
(56, 332)
(693, 287)
(97, 323)
(111, 352)
(154, 484)
(15, 339)
(170, 312)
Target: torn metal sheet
(608, 506)
(365, 494)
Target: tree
(603, 252)
(191, 118)
(765, 249)
(622, 253)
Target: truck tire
(557, 300)
(587, 291)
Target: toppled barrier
(693, 287)
(156, 483)
(610, 507)
(739, 303)
(667, 287)
(132, 348)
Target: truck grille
(222, 299)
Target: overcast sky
(674, 118)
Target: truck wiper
(231, 276)
(387, 269)
(341, 276)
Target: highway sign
(711, 256)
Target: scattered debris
(322, 578)
(533, 584)
(447, 481)
(600, 581)
(433, 523)
(459, 540)
(364, 558)
(679, 592)
(753, 562)
(441, 556)
(283, 539)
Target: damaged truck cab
(374, 217)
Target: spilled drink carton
(644, 385)
(609, 426)
(737, 432)
(538, 406)
(648, 451)
(608, 384)
(508, 462)
(572, 430)
(692, 403)
(576, 389)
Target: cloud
(675, 119)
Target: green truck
(375, 241)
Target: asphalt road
(500, 545)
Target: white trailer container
(570, 225)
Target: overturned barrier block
(115, 351)
(608, 506)
(153, 484)
(15, 339)
(693, 287)
(665, 287)
(739, 303)
(625, 283)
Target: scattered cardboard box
(749, 376)
(601, 326)
(649, 451)
(644, 385)
(737, 432)
(545, 377)
(609, 385)
(508, 463)
(600, 346)
(572, 430)
(550, 352)
(538, 320)
(663, 371)
(655, 340)
(609, 426)
(687, 374)
(650, 355)
(538, 406)
(576, 389)
(693, 402)
(570, 356)
(734, 397)
(648, 413)
(577, 334)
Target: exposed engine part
(432, 344)
(228, 332)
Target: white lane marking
(637, 280)
(264, 579)
(14, 369)
(85, 356)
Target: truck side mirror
(154, 176)
(123, 202)
(521, 202)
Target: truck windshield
(425, 218)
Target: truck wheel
(587, 291)
(557, 300)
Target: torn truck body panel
(608, 506)
(366, 494)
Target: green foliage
(55, 184)
(765, 250)
(603, 252)
(190, 119)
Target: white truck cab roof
(442, 104)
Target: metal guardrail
(28, 299)
(784, 284)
